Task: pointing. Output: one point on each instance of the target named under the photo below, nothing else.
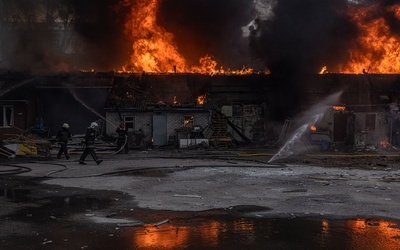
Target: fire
(201, 99)
(313, 128)
(324, 70)
(339, 107)
(384, 143)
(378, 49)
(154, 49)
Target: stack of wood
(217, 132)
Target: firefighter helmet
(65, 125)
(94, 125)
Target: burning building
(256, 62)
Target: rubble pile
(25, 145)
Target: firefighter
(122, 140)
(63, 136)
(88, 141)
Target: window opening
(129, 124)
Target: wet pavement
(166, 202)
(51, 227)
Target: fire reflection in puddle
(248, 233)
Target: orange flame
(339, 107)
(201, 99)
(384, 143)
(378, 49)
(154, 49)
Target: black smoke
(303, 36)
(212, 27)
(62, 35)
(300, 37)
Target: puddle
(186, 230)
(53, 225)
(245, 233)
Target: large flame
(378, 49)
(154, 49)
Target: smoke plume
(61, 35)
(290, 38)
(212, 27)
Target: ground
(145, 186)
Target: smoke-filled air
(203, 36)
(295, 144)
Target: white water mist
(16, 86)
(309, 118)
(72, 91)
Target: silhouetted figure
(89, 139)
(63, 136)
(122, 140)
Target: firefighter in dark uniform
(88, 140)
(122, 140)
(63, 136)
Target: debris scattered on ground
(161, 223)
(27, 145)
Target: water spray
(87, 107)
(17, 86)
(286, 150)
(312, 116)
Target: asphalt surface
(321, 184)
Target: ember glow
(323, 70)
(339, 107)
(154, 49)
(313, 128)
(377, 49)
(201, 99)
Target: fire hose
(123, 146)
